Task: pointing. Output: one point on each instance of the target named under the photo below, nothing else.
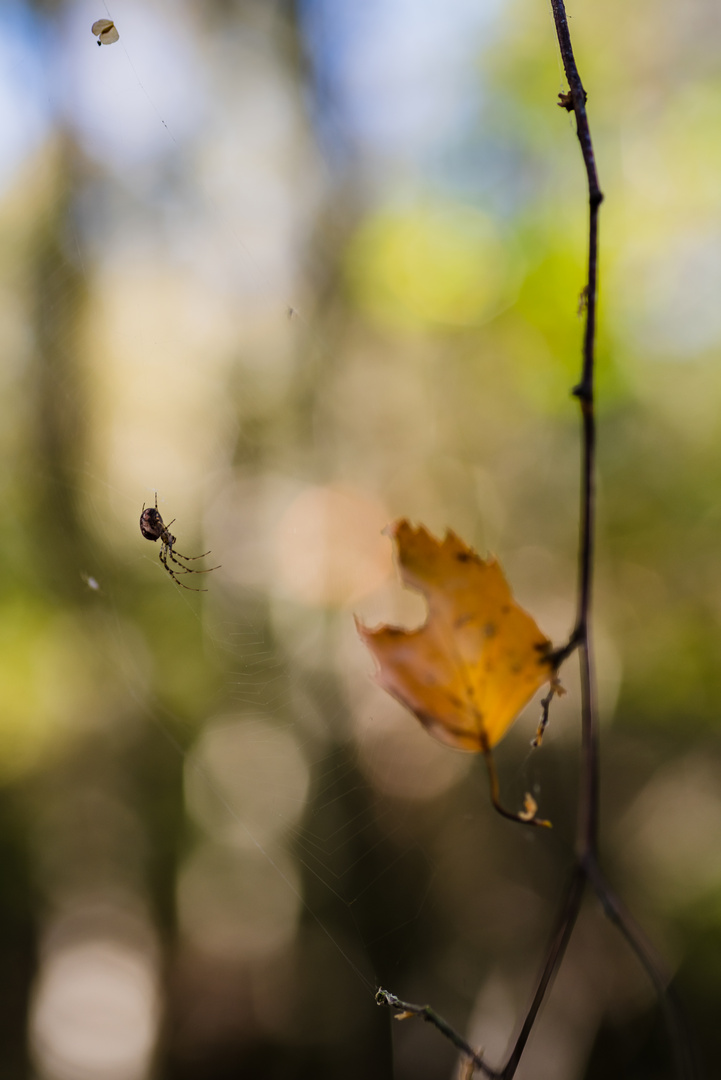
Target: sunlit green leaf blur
(300, 269)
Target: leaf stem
(521, 819)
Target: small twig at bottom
(405, 1009)
(585, 871)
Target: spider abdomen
(151, 524)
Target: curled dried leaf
(105, 31)
(529, 808)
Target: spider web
(229, 821)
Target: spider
(154, 528)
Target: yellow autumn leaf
(468, 671)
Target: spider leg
(174, 576)
(190, 558)
(156, 507)
(183, 569)
(175, 555)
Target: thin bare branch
(575, 99)
(586, 869)
(588, 817)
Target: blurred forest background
(301, 269)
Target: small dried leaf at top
(105, 31)
(478, 659)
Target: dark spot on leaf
(464, 556)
